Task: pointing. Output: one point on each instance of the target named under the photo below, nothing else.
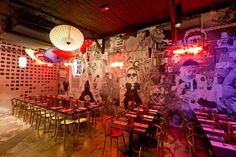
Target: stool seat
(115, 133)
(81, 120)
(67, 121)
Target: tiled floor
(20, 140)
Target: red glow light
(117, 64)
(189, 50)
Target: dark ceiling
(123, 16)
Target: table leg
(130, 144)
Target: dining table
(216, 133)
(137, 121)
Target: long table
(64, 110)
(139, 126)
(215, 135)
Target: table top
(215, 135)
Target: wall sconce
(178, 14)
(22, 62)
(117, 64)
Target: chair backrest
(191, 141)
(106, 125)
(191, 127)
(159, 133)
(13, 101)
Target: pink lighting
(117, 64)
(189, 50)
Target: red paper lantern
(82, 49)
(87, 43)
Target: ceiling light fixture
(178, 14)
(104, 8)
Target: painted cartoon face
(224, 37)
(189, 72)
(195, 38)
(155, 94)
(132, 76)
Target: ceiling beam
(25, 5)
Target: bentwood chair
(112, 133)
(198, 146)
(15, 107)
(82, 118)
(159, 140)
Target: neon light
(189, 50)
(116, 64)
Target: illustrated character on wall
(187, 80)
(187, 83)
(132, 87)
(228, 99)
(224, 41)
(87, 95)
(157, 95)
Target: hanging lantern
(22, 62)
(66, 37)
(77, 67)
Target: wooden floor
(18, 139)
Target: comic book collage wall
(197, 73)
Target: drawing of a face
(224, 37)
(132, 76)
(195, 38)
(155, 94)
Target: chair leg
(117, 151)
(104, 144)
(124, 140)
(140, 151)
(77, 133)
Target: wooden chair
(15, 107)
(82, 119)
(198, 146)
(112, 133)
(159, 140)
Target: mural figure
(132, 87)
(187, 81)
(228, 99)
(87, 95)
(224, 41)
(157, 95)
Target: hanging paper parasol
(52, 57)
(66, 37)
(65, 54)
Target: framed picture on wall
(63, 73)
